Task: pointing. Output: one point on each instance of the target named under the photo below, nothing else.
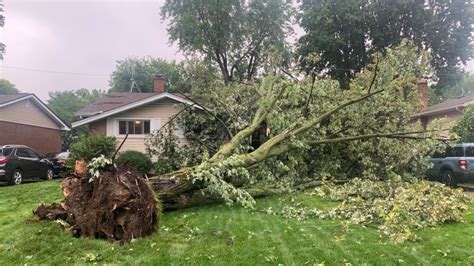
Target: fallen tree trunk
(172, 198)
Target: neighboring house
(26, 120)
(451, 109)
(138, 114)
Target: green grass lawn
(221, 235)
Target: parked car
(19, 163)
(59, 162)
(454, 165)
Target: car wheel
(49, 174)
(448, 178)
(17, 177)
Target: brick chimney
(158, 84)
(422, 86)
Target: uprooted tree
(307, 121)
(311, 130)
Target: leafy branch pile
(398, 208)
(307, 129)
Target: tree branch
(293, 131)
(259, 117)
(375, 76)
(229, 133)
(283, 148)
(306, 108)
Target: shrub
(135, 159)
(91, 146)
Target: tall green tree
(343, 33)
(465, 86)
(144, 70)
(237, 36)
(7, 87)
(66, 104)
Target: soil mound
(117, 206)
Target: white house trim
(132, 106)
(42, 106)
(15, 101)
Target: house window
(135, 127)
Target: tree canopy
(342, 34)
(465, 85)
(66, 103)
(7, 87)
(144, 70)
(237, 36)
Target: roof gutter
(427, 113)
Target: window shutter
(112, 127)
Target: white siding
(158, 113)
(28, 113)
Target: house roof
(448, 105)
(111, 101)
(117, 102)
(5, 98)
(9, 99)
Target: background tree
(465, 86)
(7, 87)
(235, 35)
(464, 127)
(66, 104)
(145, 70)
(343, 33)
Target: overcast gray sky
(78, 37)
(83, 38)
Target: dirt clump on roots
(118, 206)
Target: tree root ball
(117, 206)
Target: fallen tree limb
(188, 199)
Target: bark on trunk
(179, 194)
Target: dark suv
(18, 162)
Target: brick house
(451, 109)
(26, 120)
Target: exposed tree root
(117, 206)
